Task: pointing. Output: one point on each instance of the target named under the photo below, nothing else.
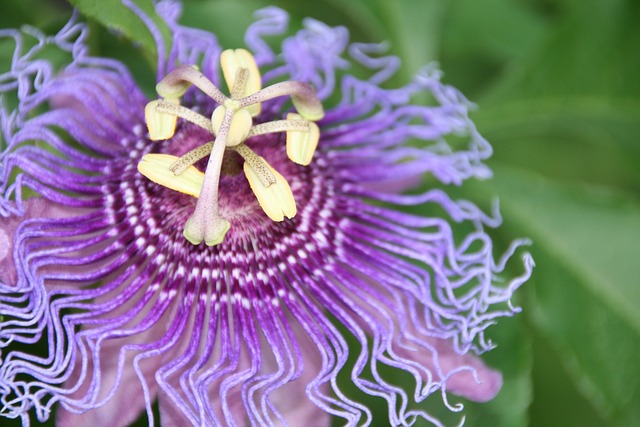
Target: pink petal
(36, 207)
(170, 415)
(292, 400)
(465, 375)
(482, 387)
(128, 401)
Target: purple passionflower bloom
(247, 317)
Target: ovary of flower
(156, 167)
(301, 145)
(161, 125)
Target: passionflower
(228, 246)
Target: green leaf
(586, 289)
(411, 26)
(480, 40)
(46, 16)
(592, 50)
(414, 27)
(227, 19)
(500, 28)
(116, 16)
(570, 107)
(557, 402)
(585, 138)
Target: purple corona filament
(326, 252)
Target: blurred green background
(558, 92)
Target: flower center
(231, 124)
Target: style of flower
(230, 256)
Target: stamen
(301, 145)
(163, 106)
(188, 159)
(302, 95)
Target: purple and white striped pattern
(253, 331)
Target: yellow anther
(156, 168)
(276, 199)
(231, 60)
(161, 125)
(240, 125)
(302, 144)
